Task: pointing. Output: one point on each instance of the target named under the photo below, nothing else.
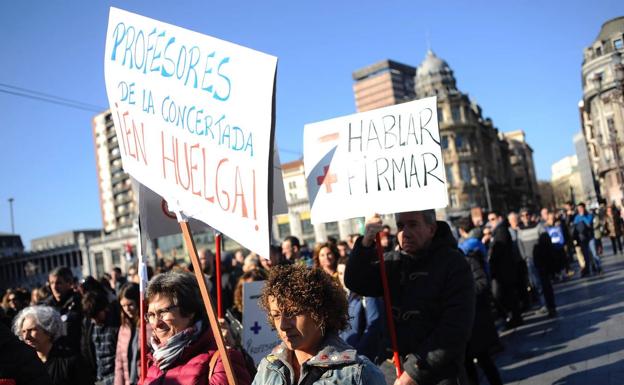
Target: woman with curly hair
(308, 309)
(325, 256)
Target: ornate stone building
(602, 108)
(482, 165)
(476, 159)
(524, 186)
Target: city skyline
(520, 62)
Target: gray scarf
(166, 355)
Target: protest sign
(156, 218)
(258, 338)
(194, 118)
(384, 161)
(279, 194)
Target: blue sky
(519, 60)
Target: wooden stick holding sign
(218, 274)
(203, 288)
(384, 282)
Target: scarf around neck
(166, 355)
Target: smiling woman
(182, 342)
(308, 308)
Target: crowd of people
(453, 286)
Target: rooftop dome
(613, 27)
(434, 77)
(432, 64)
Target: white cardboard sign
(258, 336)
(194, 119)
(382, 161)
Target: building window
(306, 226)
(610, 125)
(444, 142)
(617, 44)
(292, 184)
(116, 257)
(465, 172)
(440, 115)
(455, 113)
(331, 228)
(453, 199)
(99, 264)
(459, 141)
(449, 175)
(598, 51)
(283, 230)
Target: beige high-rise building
(383, 84)
(117, 200)
(602, 108)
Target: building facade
(10, 245)
(585, 170)
(31, 269)
(477, 158)
(602, 109)
(118, 202)
(383, 84)
(524, 188)
(566, 181)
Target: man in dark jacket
(67, 302)
(432, 293)
(504, 267)
(99, 339)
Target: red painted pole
(143, 337)
(384, 282)
(218, 273)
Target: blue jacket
(583, 227)
(469, 245)
(339, 362)
(367, 322)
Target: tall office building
(117, 200)
(383, 84)
(602, 108)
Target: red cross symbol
(326, 179)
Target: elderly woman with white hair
(40, 327)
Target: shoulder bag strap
(212, 364)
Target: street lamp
(11, 208)
(613, 93)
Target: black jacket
(433, 302)
(65, 367)
(70, 308)
(503, 261)
(484, 335)
(20, 362)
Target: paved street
(583, 345)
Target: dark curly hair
(302, 290)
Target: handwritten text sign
(384, 161)
(258, 336)
(193, 116)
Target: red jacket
(192, 366)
